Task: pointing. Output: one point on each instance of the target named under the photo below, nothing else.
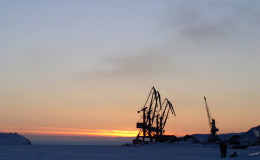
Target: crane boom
(212, 123)
(168, 107)
(165, 119)
(208, 113)
(173, 112)
(157, 100)
(167, 103)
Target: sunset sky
(84, 68)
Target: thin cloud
(150, 62)
(214, 20)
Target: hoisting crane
(147, 131)
(163, 118)
(212, 124)
(152, 110)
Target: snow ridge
(250, 137)
(13, 139)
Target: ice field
(141, 152)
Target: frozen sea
(106, 152)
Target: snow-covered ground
(177, 151)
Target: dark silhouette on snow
(234, 154)
(223, 149)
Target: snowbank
(13, 139)
(250, 137)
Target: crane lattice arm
(168, 108)
(212, 123)
(157, 100)
(208, 113)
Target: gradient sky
(77, 67)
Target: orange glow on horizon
(56, 131)
(69, 131)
